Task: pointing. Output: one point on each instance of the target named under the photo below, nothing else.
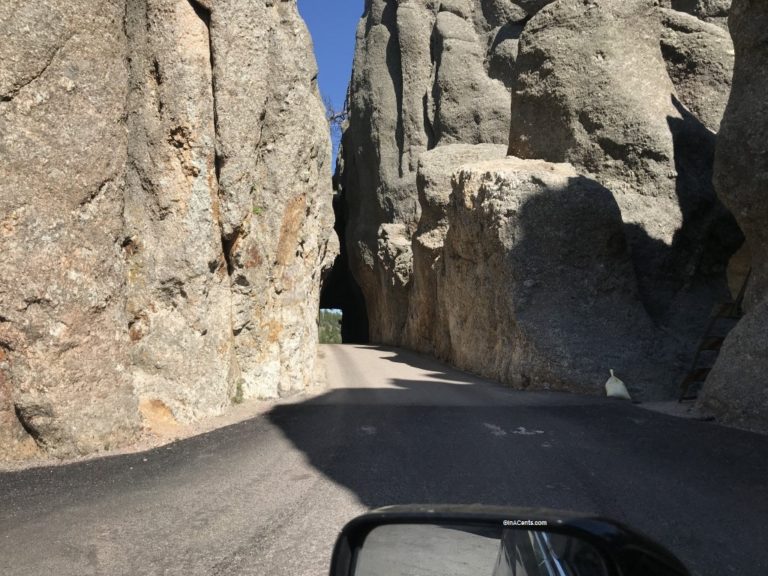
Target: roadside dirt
(165, 430)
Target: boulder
(538, 289)
(699, 58)
(714, 11)
(460, 78)
(426, 328)
(593, 88)
(490, 14)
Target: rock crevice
(737, 389)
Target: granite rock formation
(628, 93)
(64, 147)
(164, 215)
(715, 11)
(699, 59)
(425, 74)
(737, 388)
(593, 89)
(614, 88)
(426, 327)
(538, 255)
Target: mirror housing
(624, 552)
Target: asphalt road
(267, 496)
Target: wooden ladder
(723, 319)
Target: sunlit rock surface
(164, 215)
(426, 74)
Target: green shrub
(238, 397)
(329, 327)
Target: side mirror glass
(455, 550)
(487, 541)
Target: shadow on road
(699, 488)
(440, 437)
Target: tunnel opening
(340, 290)
(329, 22)
(329, 326)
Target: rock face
(274, 174)
(63, 143)
(594, 89)
(164, 215)
(715, 11)
(736, 389)
(425, 74)
(699, 59)
(177, 292)
(545, 250)
(427, 322)
(628, 93)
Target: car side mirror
(483, 541)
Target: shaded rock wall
(617, 90)
(537, 255)
(629, 93)
(594, 89)
(737, 388)
(164, 214)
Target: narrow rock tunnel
(340, 289)
(328, 22)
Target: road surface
(267, 496)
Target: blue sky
(332, 24)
